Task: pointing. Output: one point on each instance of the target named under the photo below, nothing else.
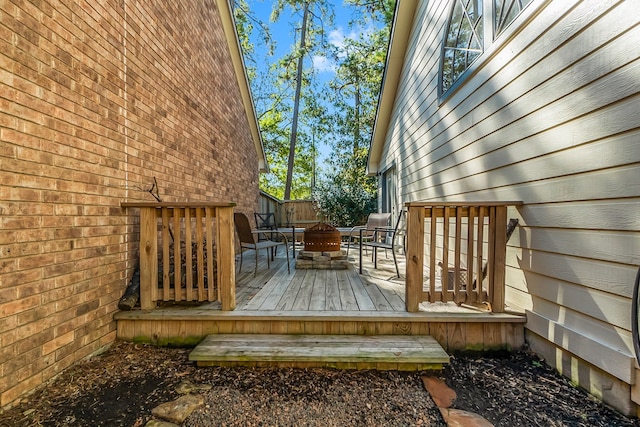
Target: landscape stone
(304, 263)
(340, 264)
(460, 418)
(309, 254)
(178, 410)
(158, 423)
(442, 395)
(335, 254)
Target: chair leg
(395, 261)
(375, 257)
(240, 269)
(255, 269)
(287, 253)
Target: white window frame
(490, 37)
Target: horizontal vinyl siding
(417, 91)
(544, 113)
(547, 115)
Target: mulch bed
(120, 387)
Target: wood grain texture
(366, 352)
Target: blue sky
(283, 32)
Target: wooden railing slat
(226, 258)
(471, 217)
(200, 254)
(491, 255)
(189, 254)
(457, 297)
(445, 255)
(433, 246)
(177, 256)
(479, 254)
(209, 214)
(500, 258)
(165, 253)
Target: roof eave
(231, 34)
(396, 52)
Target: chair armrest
(272, 232)
(377, 230)
(385, 229)
(357, 228)
(286, 241)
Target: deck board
(318, 293)
(269, 295)
(306, 288)
(291, 293)
(333, 302)
(362, 296)
(347, 297)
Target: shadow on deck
(323, 302)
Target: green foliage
(374, 10)
(341, 115)
(273, 93)
(344, 202)
(347, 195)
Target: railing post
(499, 261)
(148, 258)
(415, 257)
(226, 258)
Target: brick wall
(97, 99)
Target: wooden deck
(317, 290)
(322, 302)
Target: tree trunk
(296, 106)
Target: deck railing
(196, 258)
(464, 253)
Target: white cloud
(336, 38)
(322, 64)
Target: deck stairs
(381, 352)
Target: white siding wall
(549, 115)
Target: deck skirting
(453, 331)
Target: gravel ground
(122, 386)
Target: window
(464, 40)
(467, 34)
(505, 11)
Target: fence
(289, 213)
(464, 256)
(196, 261)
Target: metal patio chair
(387, 238)
(248, 240)
(367, 231)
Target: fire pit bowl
(321, 237)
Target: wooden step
(382, 352)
